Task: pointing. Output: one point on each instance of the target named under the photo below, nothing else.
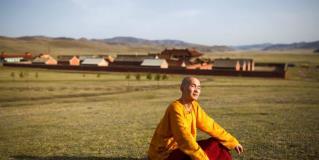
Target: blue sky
(210, 22)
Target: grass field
(65, 115)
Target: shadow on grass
(24, 157)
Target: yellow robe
(177, 130)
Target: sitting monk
(175, 135)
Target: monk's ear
(181, 88)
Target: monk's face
(192, 89)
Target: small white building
(13, 59)
(95, 62)
(160, 63)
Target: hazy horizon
(210, 22)
(157, 39)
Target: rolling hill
(123, 45)
(280, 47)
(301, 45)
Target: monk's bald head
(187, 81)
(190, 88)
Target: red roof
(25, 56)
(182, 52)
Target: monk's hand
(239, 149)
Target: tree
(149, 76)
(164, 77)
(21, 75)
(158, 78)
(138, 77)
(36, 75)
(127, 77)
(12, 75)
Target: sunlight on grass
(65, 114)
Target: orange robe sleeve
(186, 142)
(208, 125)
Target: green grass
(65, 115)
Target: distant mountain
(133, 40)
(166, 43)
(269, 46)
(301, 45)
(116, 45)
(253, 46)
(123, 40)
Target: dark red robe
(213, 149)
